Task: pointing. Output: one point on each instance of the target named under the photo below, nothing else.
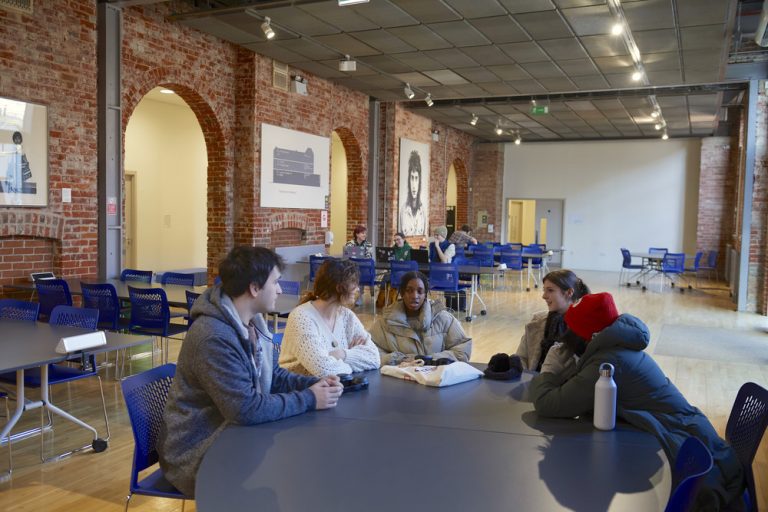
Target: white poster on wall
(294, 168)
(413, 204)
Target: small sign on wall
(323, 218)
(111, 206)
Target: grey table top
(32, 344)
(403, 446)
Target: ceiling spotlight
(533, 102)
(408, 91)
(473, 122)
(266, 27)
(518, 140)
(347, 64)
(665, 136)
(167, 91)
(498, 130)
(428, 100)
(657, 126)
(617, 29)
(636, 76)
(655, 114)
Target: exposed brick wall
(718, 180)
(487, 188)
(758, 252)
(201, 69)
(50, 58)
(455, 148)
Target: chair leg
(10, 444)
(127, 501)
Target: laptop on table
(354, 251)
(420, 255)
(384, 254)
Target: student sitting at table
(323, 336)
(359, 239)
(402, 251)
(462, 237)
(560, 288)
(417, 325)
(440, 249)
(226, 373)
(646, 398)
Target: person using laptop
(363, 249)
(359, 239)
(402, 251)
(462, 237)
(440, 249)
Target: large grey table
(403, 446)
(25, 345)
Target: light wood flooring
(98, 482)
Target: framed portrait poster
(295, 168)
(23, 153)
(413, 203)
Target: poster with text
(23, 153)
(413, 204)
(295, 168)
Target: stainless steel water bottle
(605, 399)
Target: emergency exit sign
(539, 110)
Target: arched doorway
(165, 191)
(339, 184)
(349, 197)
(450, 201)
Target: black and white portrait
(414, 188)
(23, 154)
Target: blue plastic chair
(52, 293)
(397, 269)
(444, 277)
(711, 265)
(367, 269)
(483, 257)
(145, 395)
(512, 257)
(672, 268)
(151, 315)
(177, 278)
(692, 464)
(141, 276)
(103, 297)
(12, 309)
(694, 270)
(191, 298)
(314, 264)
(744, 430)
(290, 287)
(627, 266)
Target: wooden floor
(98, 482)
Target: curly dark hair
(413, 274)
(333, 280)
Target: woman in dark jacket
(646, 398)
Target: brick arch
(462, 193)
(357, 181)
(220, 170)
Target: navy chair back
(87, 318)
(145, 396)
(103, 297)
(532, 249)
(483, 256)
(673, 263)
(398, 269)
(658, 251)
(692, 464)
(177, 278)
(149, 309)
(746, 426)
(12, 309)
(52, 293)
(191, 298)
(443, 277)
(142, 276)
(712, 259)
(290, 287)
(513, 258)
(367, 269)
(314, 264)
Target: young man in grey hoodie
(227, 373)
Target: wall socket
(66, 195)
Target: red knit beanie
(593, 313)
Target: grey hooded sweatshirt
(217, 384)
